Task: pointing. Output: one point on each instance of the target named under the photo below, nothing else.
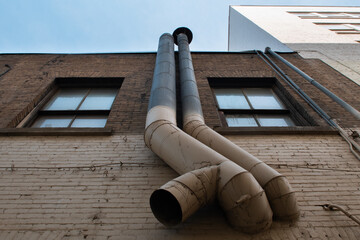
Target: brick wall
(249, 65)
(332, 80)
(24, 86)
(29, 80)
(98, 187)
(343, 57)
(64, 188)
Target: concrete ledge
(55, 131)
(275, 130)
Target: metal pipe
(311, 102)
(278, 190)
(334, 207)
(189, 93)
(205, 174)
(338, 100)
(294, 86)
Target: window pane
(238, 120)
(275, 121)
(303, 14)
(355, 14)
(52, 121)
(231, 98)
(89, 121)
(66, 99)
(99, 99)
(333, 14)
(263, 98)
(355, 26)
(335, 26)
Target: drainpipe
(338, 100)
(312, 103)
(278, 190)
(205, 174)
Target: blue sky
(91, 26)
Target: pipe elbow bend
(243, 200)
(282, 198)
(240, 196)
(280, 195)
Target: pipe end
(282, 199)
(184, 30)
(245, 204)
(166, 207)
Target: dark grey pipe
(207, 174)
(282, 199)
(311, 102)
(189, 93)
(294, 86)
(338, 100)
(163, 87)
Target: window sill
(275, 130)
(55, 131)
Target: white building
(331, 34)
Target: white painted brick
(47, 203)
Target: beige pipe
(281, 197)
(243, 203)
(206, 173)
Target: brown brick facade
(32, 76)
(98, 187)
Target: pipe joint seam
(153, 126)
(191, 127)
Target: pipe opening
(185, 31)
(165, 207)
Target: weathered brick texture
(63, 188)
(98, 187)
(332, 80)
(32, 75)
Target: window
(342, 28)
(304, 14)
(252, 107)
(331, 15)
(253, 103)
(76, 103)
(354, 14)
(334, 26)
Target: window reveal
(76, 107)
(252, 107)
(331, 15)
(342, 28)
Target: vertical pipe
(338, 100)
(311, 102)
(206, 173)
(189, 93)
(281, 197)
(162, 103)
(294, 86)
